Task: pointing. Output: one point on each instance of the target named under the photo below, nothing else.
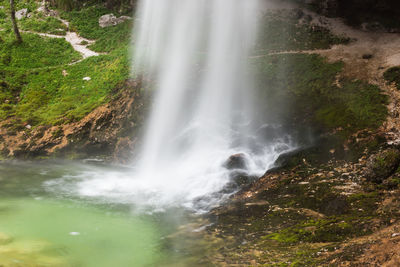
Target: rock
(382, 165)
(20, 14)
(236, 162)
(367, 56)
(111, 20)
(123, 149)
(373, 26)
(335, 205)
(298, 13)
(42, 9)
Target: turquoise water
(41, 228)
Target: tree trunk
(14, 22)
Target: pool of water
(41, 227)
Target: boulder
(236, 162)
(382, 165)
(20, 14)
(111, 20)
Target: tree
(14, 22)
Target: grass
(39, 87)
(51, 98)
(35, 52)
(18, 61)
(115, 36)
(38, 23)
(86, 22)
(311, 90)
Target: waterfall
(197, 51)
(196, 54)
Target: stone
(22, 13)
(111, 20)
(236, 162)
(382, 165)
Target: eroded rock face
(111, 20)
(107, 131)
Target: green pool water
(38, 228)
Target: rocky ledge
(107, 131)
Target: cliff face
(386, 13)
(108, 132)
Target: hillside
(68, 92)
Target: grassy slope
(34, 86)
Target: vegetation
(40, 86)
(392, 75)
(14, 22)
(312, 90)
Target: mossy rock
(382, 165)
(392, 75)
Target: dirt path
(77, 42)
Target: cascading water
(197, 54)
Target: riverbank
(335, 203)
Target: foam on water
(196, 52)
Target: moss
(384, 165)
(310, 88)
(392, 75)
(334, 229)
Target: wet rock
(298, 13)
(367, 56)
(373, 26)
(123, 149)
(111, 20)
(236, 162)
(335, 205)
(382, 165)
(20, 14)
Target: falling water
(196, 52)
